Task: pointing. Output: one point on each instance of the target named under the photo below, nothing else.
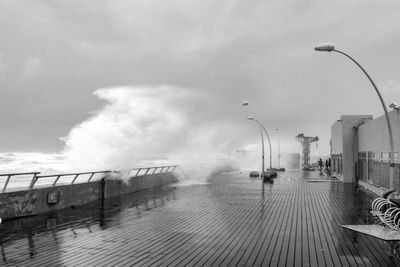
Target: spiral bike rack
(387, 212)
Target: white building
(360, 148)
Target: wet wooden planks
(228, 223)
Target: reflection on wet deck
(233, 220)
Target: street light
(279, 151)
(269, 141)
(246, 103)
(328, 47)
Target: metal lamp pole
(279, 151)
(329, 48)
(269, 140)
(262, 137)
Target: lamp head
(251, 118)
(325, 47)
(245, 103)
(394, 106)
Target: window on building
(385, 156)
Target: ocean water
(189, 171)
(53, 163)
(14, 162)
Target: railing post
(76, 176)
(55, 182)
(162, 168)
(90, 178)
(148, 169)
(167, 168)
(33, 182)
(155, 170)
(6, 183)
(138, 172)
(174, 168)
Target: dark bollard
(267, 176)
(254, 174)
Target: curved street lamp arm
(270, 149)
(262, 136)
(385, 110)
(269, 142)
(255, 112)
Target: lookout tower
(305, 142)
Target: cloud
(3, 66)
(390, 86)
(32, 67)
(228, 50)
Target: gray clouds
(54, 54)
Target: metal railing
(132, 173)
(9, 175)
(58, 176)
(152, 170)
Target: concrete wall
(374, 136)
(337, 137)
(115, 188)
(32, 202)
(348, 153)
(344, 141)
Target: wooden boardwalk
(232, 221)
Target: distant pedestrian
(320, 164)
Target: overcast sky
(55, 54)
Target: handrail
(9, 175)
(18, 173)
(148, 169)
(69, 174)
(142, 171)
(58, 176)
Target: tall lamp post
(279, 151)
(331, 48)
(246, 103)
(269, 141)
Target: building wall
(374, 136)
(365, 141)
(344, 145)
(348, 161)
(337, 137)
(374, 148)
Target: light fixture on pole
(328, 47)
(395, 106)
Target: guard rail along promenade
(35, 193)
